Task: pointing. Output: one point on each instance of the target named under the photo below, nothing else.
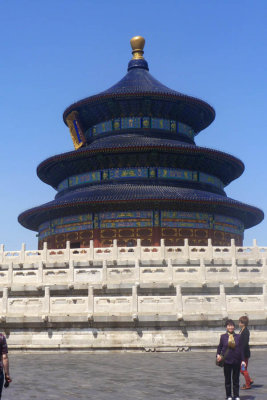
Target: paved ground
(126, 376)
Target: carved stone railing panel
(25, 306)
(157, 305)
(201, 304)
(116, 305)
(245, 304)
(68, 305)
(88, 275)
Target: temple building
(136, 172)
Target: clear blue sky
(55, 52)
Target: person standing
(230, 348)
(4, 363)
(244, 338)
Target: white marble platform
(112, 294)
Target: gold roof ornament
(138, 44)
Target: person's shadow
(249, 396)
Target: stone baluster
(2, 253)
(5, 301)
(223, 301)
(170, 271)
(40, 272)
(104, 273)
(138, 250)
(115, 250)
(233, 248)
(179, 302)
(22, 253)
(255, 251)
(234, 271)
(186, 251)
(90, 309)
(71, 271)
(137, 270)
(203, 271)
(10, 274)
(209, 254)
(134, 302)
(264, 265)
(68, 253)
(264, 296)
(44, 252)
(91, 250)
(47, 300)
(162, 248)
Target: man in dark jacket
(244, 338)
(230, 348)
(4, 364)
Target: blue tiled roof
(131, 139)
(129, 193)
(111, 192)
(129, 96)
(140, 80)
(226, 166)
(117, 192)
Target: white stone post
(234, 271)
(162, 248)
(47, 300)
(115, 250)
(44, 252)
(264, 266)
(209, 250)
(40, 272)
(255, 250)
(223, 301)
(186, 251)
(10, 274)
(137, 270)
(203, 271)
(134, 302)
(5, 301)
(170, 271)
(104, 273)
(179, 302)
(22, 253)
(233, 248)
(264, 295)
(90, 301)
(138, 250)
(71, 271)
(2, 250)
(91, 250)
(67, 251)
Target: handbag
(221, 362)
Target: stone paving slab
(126, 376)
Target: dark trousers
(232, 373)
(1, 382)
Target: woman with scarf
(231, 349)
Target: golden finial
(137, 43)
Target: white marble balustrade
(143, 253)
(135, 305)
